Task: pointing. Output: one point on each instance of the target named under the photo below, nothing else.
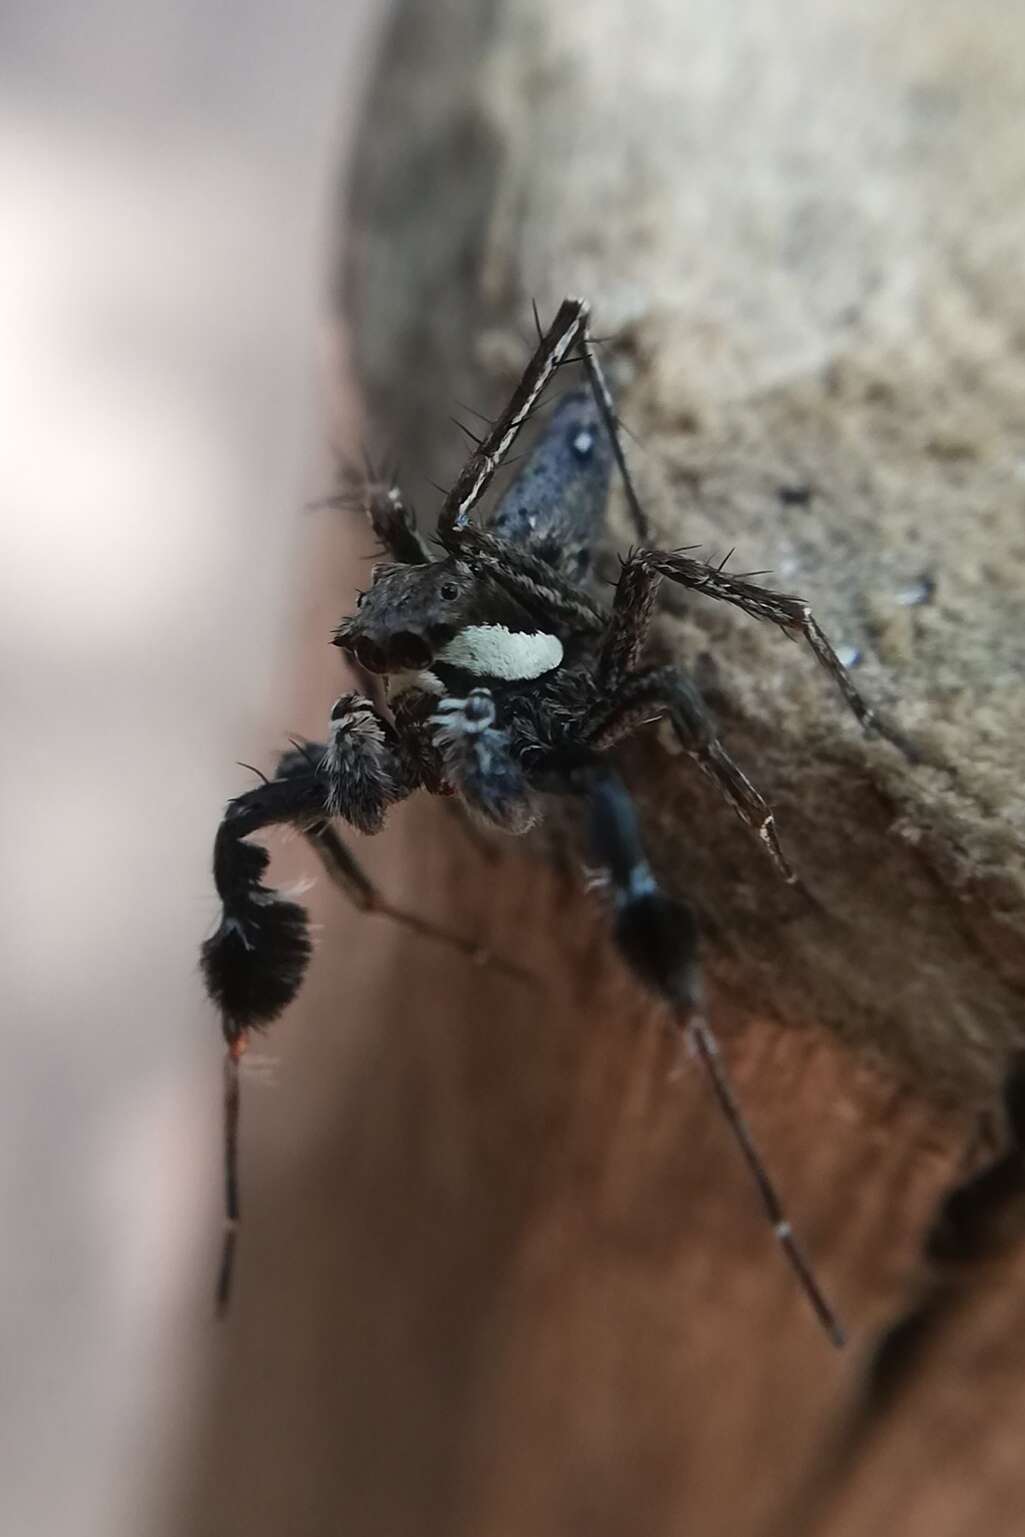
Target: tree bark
(539, 1296)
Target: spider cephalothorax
(445, 613)
(508, 681)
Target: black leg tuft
(255, 963)
(658, 938)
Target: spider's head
(415, 616)
(410, 614)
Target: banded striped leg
(480, 764)
(552, 349)
(627, 631)
(792, 614)
(644, 696)
(658, 937)
(569, 328)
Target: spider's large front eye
(449, 590)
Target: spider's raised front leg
(533, 581)
(570, 327)
(657, 936)
(644, 696)
(553, 347)
(380, 498)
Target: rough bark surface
(504, 1274)
(802, 224)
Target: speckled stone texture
(802, 222)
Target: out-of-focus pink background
(170, 195)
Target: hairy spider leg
(644, 696)
(379, 497)
(392, 519)
(570, 326)
(792, 614)
(479, 470)
(658, 937)
(613, 426)
(629, 625)
(480, 763)
(254, 963)
(708, 1050)
(350, 878)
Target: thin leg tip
(837, 1333)
(222, 1297)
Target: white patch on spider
(582, 442)
(402, 682)
(492, 651)
(641, 883)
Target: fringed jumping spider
(507, 682)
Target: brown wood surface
(518, 1281)
(502, 1271)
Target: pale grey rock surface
(803, 223)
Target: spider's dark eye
(449, 590)
(359, 598)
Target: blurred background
(170, 179)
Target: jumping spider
(507, 681)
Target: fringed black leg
(255, 962)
